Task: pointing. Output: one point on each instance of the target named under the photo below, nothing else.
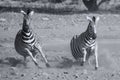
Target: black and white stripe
(25, 42)
(84, 45)
(28, 38)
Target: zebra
(84, 45)
(25, 42)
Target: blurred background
(57, 6)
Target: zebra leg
(96, 57)
(90, 52)
(25, 61)
(25, 58)
(42, 54)
(34, 60)
(84, 56)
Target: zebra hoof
(47, 65)
(96, 68)
(82, 63)
(36, 63)
(38, 66)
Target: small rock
(88, 78)
(39, 74)
(48, 77)
(75, 76)
(1, 45)
(63, 77)
(6, 29)
(57, 76)
(13, 73)
(22, 75)
(34, 78)
(52, 73)
(112, 75)
(65, 72)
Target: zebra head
(27, 19)
(92, 26)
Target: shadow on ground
(67, 63)
(63, 63)
(10, 61)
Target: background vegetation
(61, 6)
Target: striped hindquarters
(75, 48)
(80, 42)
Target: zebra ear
(89, 18)
(97, 19)
(23, 12)
(31, 13)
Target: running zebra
(84, 45)
(25, 42)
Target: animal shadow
(10, 61)
(68, 63)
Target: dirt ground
(54, 33)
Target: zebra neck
(25, 27)
(91, 35)
(28, 37)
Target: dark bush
(56, 1)
(92, 5)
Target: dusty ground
(54, 33)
